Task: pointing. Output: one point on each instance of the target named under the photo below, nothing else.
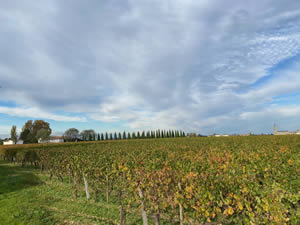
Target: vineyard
(230, 180)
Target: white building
(8, 142)
(20, 142)
(11, 142)
(221, 135)
(52, 139)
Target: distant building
(20, 142)
(11, 142)
(8, 142)
(52, 139)
(221, 135)
(276, 132)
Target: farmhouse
(8, 142)
(284, 132)
(11, 142)
(52, 139)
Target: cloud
(272, 111)
(194, 65)
(37, 113)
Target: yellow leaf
(240, 206)
(230, 210)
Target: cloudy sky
(207, 66)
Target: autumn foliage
(230, 180)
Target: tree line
(34, 131)
(73, 134)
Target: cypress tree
(120, 136)
(143, 134)
(138, 135)
(183, 134)
(98, 137)
(106, 136)
(162, 134)
(102, 137)
(90, 137)
(110, 136)
(128, 136)
(180, 134)
(124, 135)
(133, 135)
(115, 136)
(173, 135)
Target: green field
(228, 180)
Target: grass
(28, 197)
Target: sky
(206, 66)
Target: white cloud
(37, 113)
(150, 64)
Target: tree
(128, 136)
(120, 136)
(13, 134)
(71, 134)
(102, 137)
(115, 136)
(30, 131)
(106, 136)
(124, 135)
(38, 125)
(42, 134)
(110, 136)
(88, 134)
(98, 137)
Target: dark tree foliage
(13, 134)
(120, 136)
(88, 134)
(31, 130)
(133, 135)
(106, 136)
(129, 136)
(115, 136)
(124, 135)
(71, 134)
(102, 137)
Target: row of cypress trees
(139, 135)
